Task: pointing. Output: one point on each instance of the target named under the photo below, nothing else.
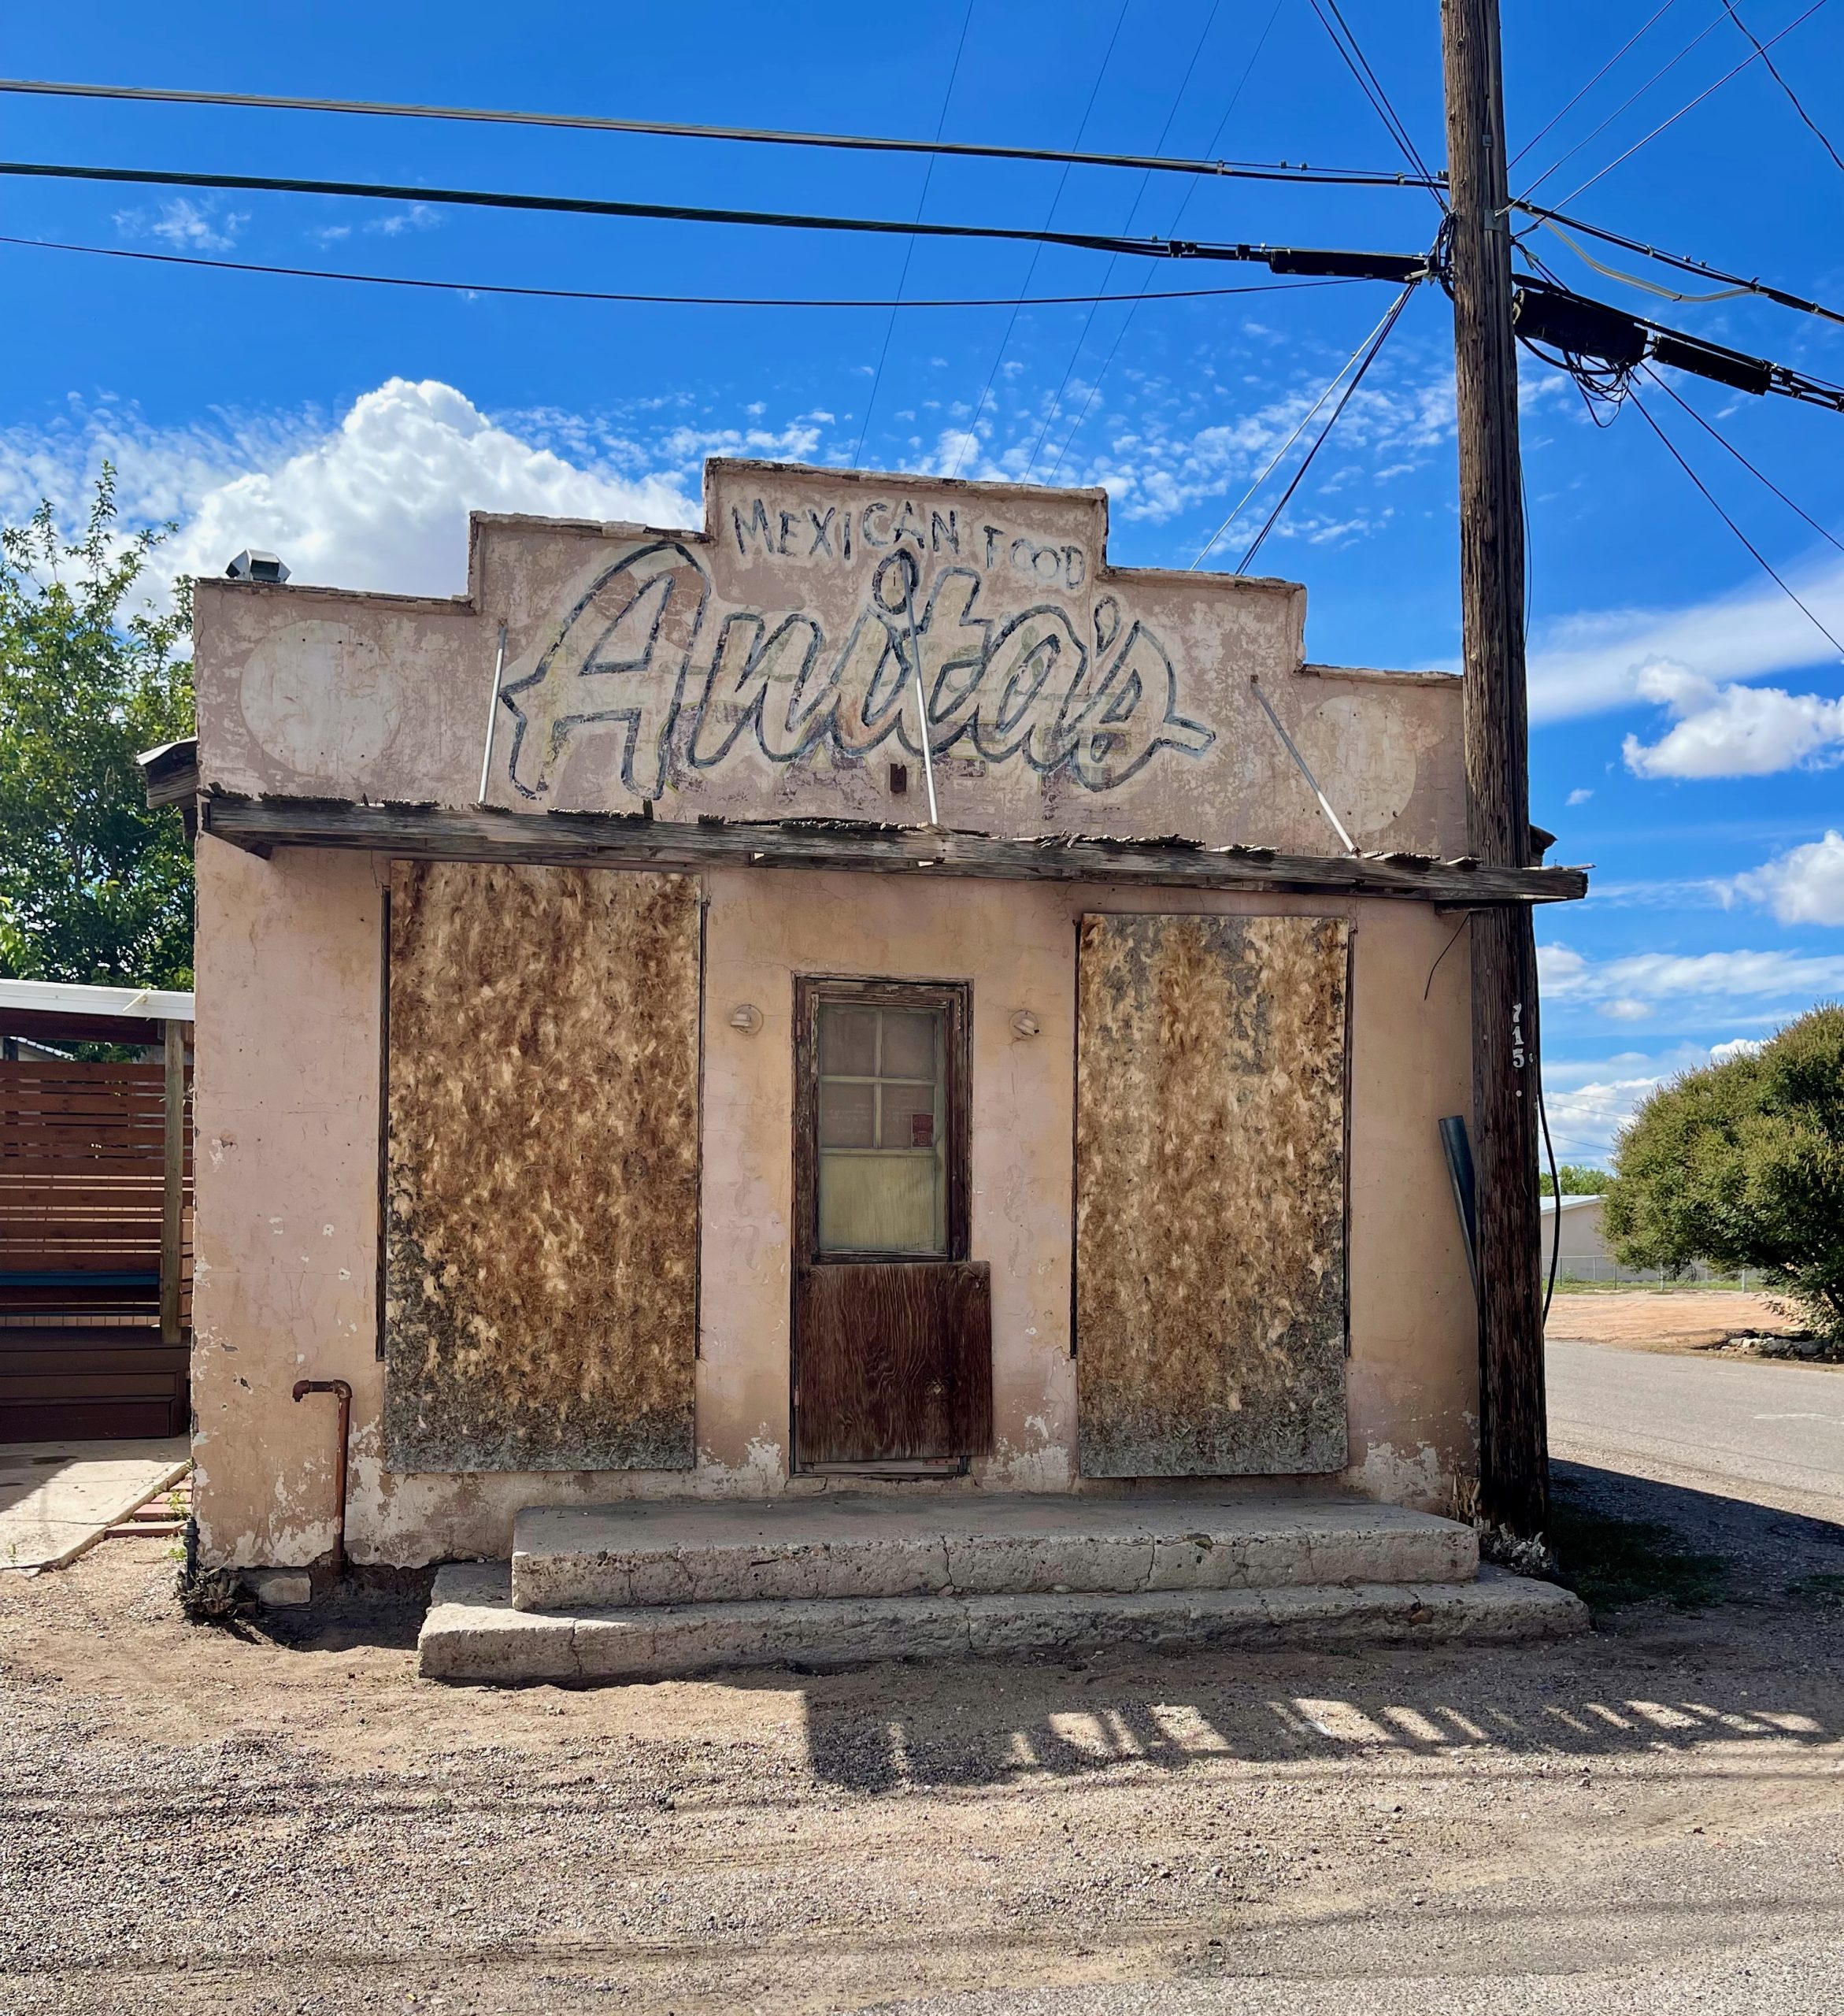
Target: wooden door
(892, 1320)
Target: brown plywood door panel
(541, 1244)
(895, 1360)
(1210, 1264)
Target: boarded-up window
(542, 1224)
(1210, 1195)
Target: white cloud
(1591, 662)
(1589, 1100)
(185, 225)
(1732, 730)
(381, 501)
(1578, 797)
(1158, 458)
(1805, 885)
(378, 500)
(1584, 1119)
(393, 224)
(1615, 985)
(1624, 1009)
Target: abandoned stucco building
(607, 1067)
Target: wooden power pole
(1514, 1465)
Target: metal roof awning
(604, 840)
(50, 1011)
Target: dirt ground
(1676, 1320)
(285, 1818)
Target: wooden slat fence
(81, 1182)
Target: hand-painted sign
(1019, 664)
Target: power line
(1792, 96)
(656, 300)
(909, 249)
(1680, 261)
(1556, 119)
(862, 142)
(1377, 343)
(599, 207)
(1631, 99)
(1358, 64)
(1754, 56)
(1178, 218)
(1723, 441)
(1760, 558)
(1139, 195)
(970, 432)
(1280, 455)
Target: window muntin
(883, 1163)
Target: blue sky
(1688, 720)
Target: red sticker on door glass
(921, 1130)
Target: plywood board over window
(540, 1293)
(1210, 1195)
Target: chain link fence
(1613, 1273)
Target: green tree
(94, 886)
(1741, 1165)
(1579, 1180)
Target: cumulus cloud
(381, 501)
(1591, 662)
(1579, 796)
(1585, 1118)
(1616, 986)
(1589, 1099)
(1805, 885)
(378, 499)
(1732, 731)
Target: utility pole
(1514, 1461)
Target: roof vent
(250, 565)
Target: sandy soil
(1675, 1320)
(287, 1819)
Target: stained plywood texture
(542, 1179)
(1210, 1195)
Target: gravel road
(289, 1821)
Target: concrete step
(473, 1633)
(851, 1546)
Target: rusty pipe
(343, 1392)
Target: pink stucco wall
(288, 1078)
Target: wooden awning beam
(416, 832)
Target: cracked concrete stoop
(646, 1592)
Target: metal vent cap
(250, 565)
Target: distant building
(1582, 1251)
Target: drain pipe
(343, 1392)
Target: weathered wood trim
(172, 1192)
(414, 832)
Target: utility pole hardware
(1514, 1466)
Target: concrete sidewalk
(58, 1498)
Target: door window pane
(883, 1171)
(848, 1113)
(909, 1045)
(848, 1040)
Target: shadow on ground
(1654, 1678)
